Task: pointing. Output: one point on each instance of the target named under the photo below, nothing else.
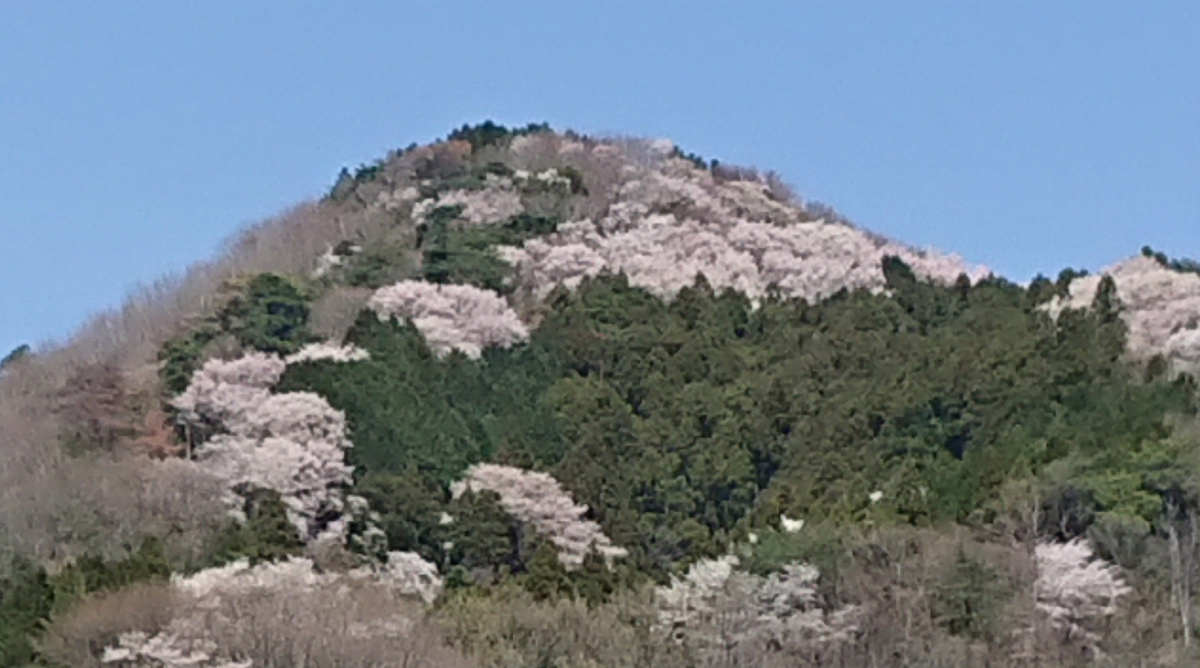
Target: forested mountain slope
(527, 398)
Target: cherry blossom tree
(405, 573)
(537, 499)
(1076, 590)
(723, 612)
(496, 202)
(224, 391)
(1160, 307)
(327, 351)
(293, 443)
(451, 317)
(669, 222)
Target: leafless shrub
(723, 173)
(334, 313)
(508, 629)
(602, 167)
(323, 623)
(95, 409)
(28, 431)
(327, 626)
(77, 636)
(532, 153)
(102, 506)
(780, 191)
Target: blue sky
(1027, 136)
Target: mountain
(522, 397)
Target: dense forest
(521, 398)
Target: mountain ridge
(517, 370)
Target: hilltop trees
(15, 355)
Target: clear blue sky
(1027, 136)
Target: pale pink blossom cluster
(332, 259)
(451, 317)
(293, 443)
(496, 202)
(166, 649)
(223, 391)
(677, 183)
(790, 612)
(664, 254)
(1183, 351)
(394, 200)
(206, 588)
(1075, 589)
(1160, 306)
(328, 351)
(547, 179)
(537, 499)
(715, 606)
(669, 221)
(694, 599)
(405, 573)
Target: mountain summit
(522, 397)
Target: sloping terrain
(532, 398)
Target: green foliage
(722, 416)
(409, 505)
(409, 411)
(180, 357)
(266, 535)
(398, 403)
(346, 183)
(377, 265)
(269, 312)
(1063, 282)
(1182, 264)
(265, 312)
(969, 598)
(697, 161)
(489, 133)
(576, 179)
(29, 596)
(821, 544)
(546, 577)
(465, 255)
(484, 536)
(594, 581)
(15, 355)
(26, 600)
(460, 257)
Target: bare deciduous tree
(271, 616)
